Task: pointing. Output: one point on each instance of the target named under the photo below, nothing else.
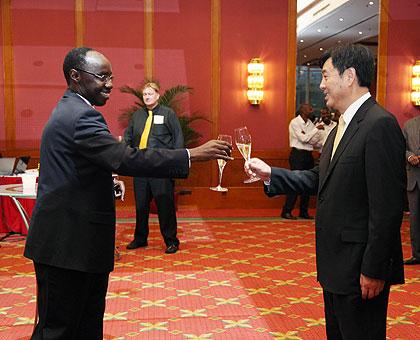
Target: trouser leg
(70, 304)
(143, 197)
(414, 205)
(163, 193)
(349, 317)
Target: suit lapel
(326, 165)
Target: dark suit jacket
(360, 201)
(165, 132)
(411, 133)
(73, 222)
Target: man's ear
(74, 75)
(350, 75)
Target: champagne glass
(243, 142)
(221, 163)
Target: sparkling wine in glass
(221, 163)
(243, 143)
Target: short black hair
(76, 59)
(352, 55)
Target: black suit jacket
(73, 222)
(360, 201)
(165, 132)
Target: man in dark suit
(360, 183)
(411, 133)
(157, 127)
(71, 238)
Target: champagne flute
(243, 142)
(221, 163)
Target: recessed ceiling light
(301, 40)
(304, 55)
(360, 32)
(308, 64)
(321, 49)
(318, 30)
(371, 3)
(339, 41)
(341, 19)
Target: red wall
(255, 29)
(403, 51)
(43, 32)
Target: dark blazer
(165, 133)
(360, 201)
(411, 133)
(73, 222)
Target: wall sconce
(415, 84)
(255, 91)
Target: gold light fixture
(415, 84)
(255, 91)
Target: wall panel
(403, 50)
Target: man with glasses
(71, 238)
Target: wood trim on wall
(8, 71)
(215, 65)
(215, 50)
(148, 39)
(382, 62)
(79, 22)
(291, 63)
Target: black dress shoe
(411, 261)
(288, 216)
(172, 249)
(306, 216)
(136, 244)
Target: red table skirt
(10, 219)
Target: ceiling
(322, 24)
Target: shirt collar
(352, 109)
(87, 101)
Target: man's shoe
(172, 249)
(288, 216)
(306, 216)
(411, 261)
(136, 244)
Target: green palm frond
(172, 97)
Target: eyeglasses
(102, 77)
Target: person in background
(411, 132)
(303, 135)
(361, 184)
(328, 124)
(71, 239)
(163, 132)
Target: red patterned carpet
(249, 277)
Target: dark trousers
(299, 160)
(162, 190)
(349, 317)
(414, 204)
(71, 304)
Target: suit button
(321, 199)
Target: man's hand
(413, 160)
(213, 149)
(370, 287)
(120, 186)
(258, 168)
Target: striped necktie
(339, 134)
(146, 131)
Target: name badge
(157, 119)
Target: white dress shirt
(352, 109)
(303, 135)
